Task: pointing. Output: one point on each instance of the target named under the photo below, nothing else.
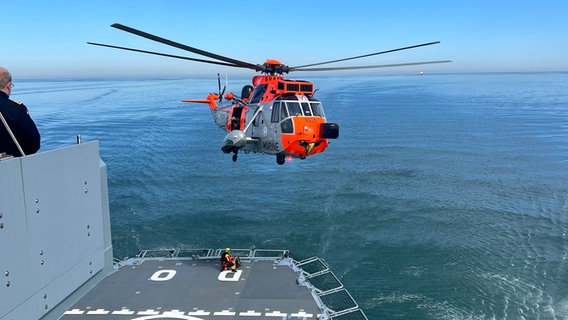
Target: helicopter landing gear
(235, 156)
(280, 159)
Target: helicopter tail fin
(211, 100)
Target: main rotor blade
(366, 55)
(178, 45)
(370, 67)
(164, 54)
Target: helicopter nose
(309, 147)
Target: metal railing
(244, 254)
(334, 300)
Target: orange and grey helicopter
(273, 115)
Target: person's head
(5, 81)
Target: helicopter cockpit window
(258, 93)
(306, 108)
(283, 112)
(317, 109)
(287, 126)
(276, 112)
(294, 108)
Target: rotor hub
(273, 67)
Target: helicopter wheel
(280, 159)
(235, 156)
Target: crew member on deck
(228, 262)
(15, 122)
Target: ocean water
(445, 196)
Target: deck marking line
(74, 311)
(224, 313)
(149, 312)
(199, 313)
(250, 313)
(98, 311)
(276, 314)
(173, 313)
(123, 312)
(301, 314)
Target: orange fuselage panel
(306, 139)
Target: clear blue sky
(48, 38)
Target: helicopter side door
(236, 118)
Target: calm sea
(445, 196)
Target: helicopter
(273, 115)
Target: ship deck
(195, 288)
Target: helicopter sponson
(233, 141)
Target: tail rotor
(221, 92)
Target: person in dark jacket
(18, 133)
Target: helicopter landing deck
(195, 288)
